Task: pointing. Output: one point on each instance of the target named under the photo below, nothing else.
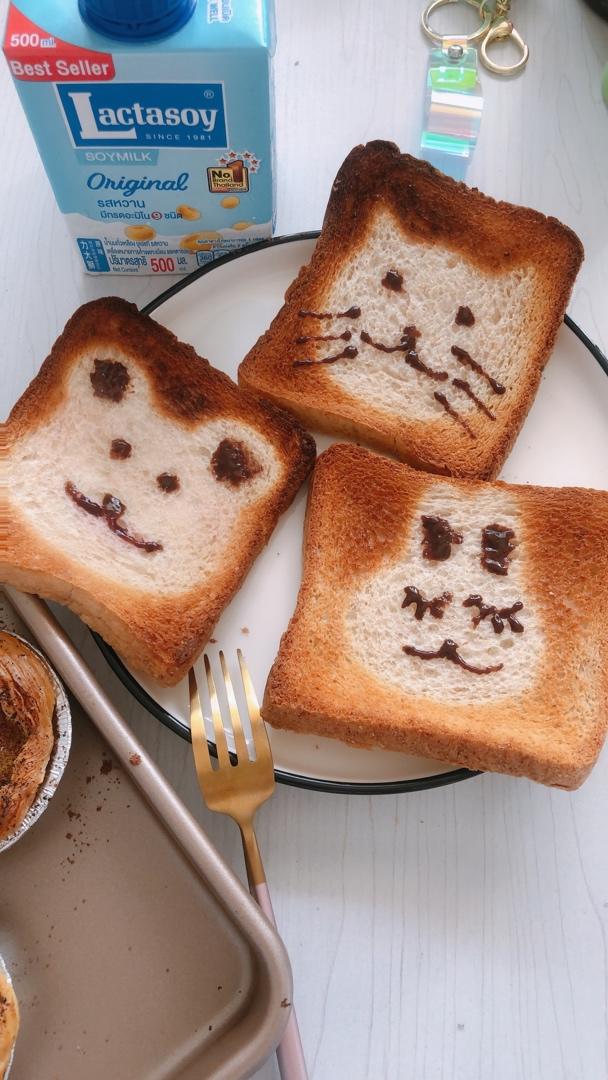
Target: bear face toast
(424, 319)
(141, 485)
(460, 620)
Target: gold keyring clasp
(500, 30)
(469, 39)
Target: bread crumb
(244, 629)
(135, 759)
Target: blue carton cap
(130, 20)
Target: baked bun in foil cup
(62, 731)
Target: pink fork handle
(290, 1056)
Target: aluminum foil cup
(4, 971)
(62, 726)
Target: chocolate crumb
(213, 641)
(106, 766)
(285, 1003)
(244, 629)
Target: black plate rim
(334, 787)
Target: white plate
(222, 311)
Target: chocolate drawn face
(497, 545)
(414, 329)
(438, 622)
(113, 475)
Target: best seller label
(175, 115)
(34, 55)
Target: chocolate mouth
(448, 650)
(112, 511)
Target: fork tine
(221, 745)
(258, 727)
(239, 738)
(197, 727)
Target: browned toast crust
(159, 635)
(431, 208)
(360, 508)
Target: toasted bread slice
(142, 483)
(461, 620)
(424, 319)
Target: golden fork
(239, 789)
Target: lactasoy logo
(177, 115)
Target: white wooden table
(457, 933)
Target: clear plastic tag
(453, 104)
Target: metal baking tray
(134, 951)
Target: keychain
(454, 99)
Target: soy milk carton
(154, 121)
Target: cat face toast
(424, 319)
(141, 483)
(460, 620)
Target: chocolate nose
(113, 506)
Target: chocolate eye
(496, 547)
(435, 606)
(497, 616)
(120, 449)
(438, 538)
(464, 317)
(168, 482)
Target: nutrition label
(157, 257)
